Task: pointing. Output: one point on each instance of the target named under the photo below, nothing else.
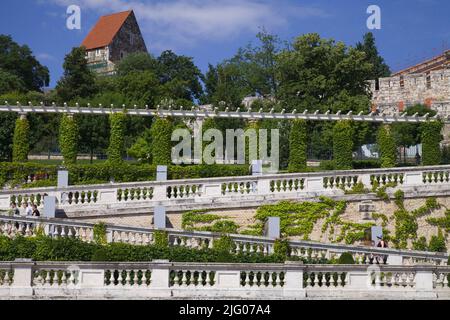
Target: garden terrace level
(164, 279)
(12, 226)
(203, 113)
(244, 191)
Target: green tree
(137, 62)
(252, 70)
(161, 133)
(342, 145)
(431, 139)
(68, 138)
(318, 73)
(25, 72)
(379, 67)
(179, 77)
(10, 82)
(387, 147)
(142, 147)
(409, 134)
(116, 138)
(21, 144)
(7, 119)
(78, 80)
(297, 146)
(140, 88)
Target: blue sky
(210, 31)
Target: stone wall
(431, 89)
(245, 217)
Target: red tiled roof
(105, 30)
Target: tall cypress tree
(297, 146)
(380, 69)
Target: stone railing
(29, 226)
(163, 279)
(238, 190)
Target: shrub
(281, 247)
(100, 233)
(116, 138)
(297, 146)
(68, 139)
(387, 147)
(346, 258)
(161, 239)
(431, 138)
(224, 244)
(342, 145)
(21, 145)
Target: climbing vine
(208, 222)
(116, 138)
(431, 138)
(342, 145)
(68, 139)
(297, 146)
(21, 145)
(387, 147)
(161, 132)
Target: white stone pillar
(293, 280)
(160, 274)
(23, 277)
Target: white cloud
(184, 22)
(45, 56)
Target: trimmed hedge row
(42, 248)
(18, 173)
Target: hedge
(43, 248)
(297, 146)
(68, 139)
(116, 138)
(18, 172)
(342, 145)
(431, 139)
(161, 132)
(21, 145)
(387, 147)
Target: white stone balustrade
(164, 279)
(11, 226)
(243, 189)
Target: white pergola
(198, 112)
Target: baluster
(136, 278)
(308, 280)
(176, 279)
(184, 278)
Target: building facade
(426, 83)
(112, 38)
